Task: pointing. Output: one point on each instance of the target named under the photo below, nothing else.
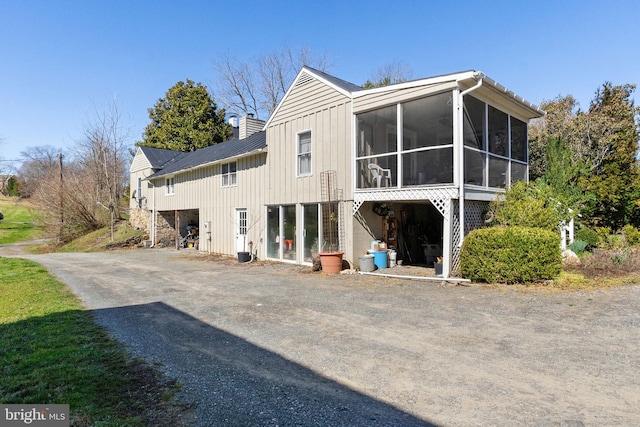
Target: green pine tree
(186, 119)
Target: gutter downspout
(480, 76)
(153, 215)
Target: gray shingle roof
(159, 157)
(343, 84)
(214, 153)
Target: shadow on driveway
(235, 383)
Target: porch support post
(447, 239)
(458, 141)
(176, 223)
(458, 149)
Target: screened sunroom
(444, 145)
(422, 152)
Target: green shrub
(632, 235)
(578, 246)
(533, 204)
(511, 255)
(616, 241)
(603, 235)
(588, 235)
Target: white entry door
(241, 230)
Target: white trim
(228, 174)
(170, 186)
(455, 77)
(297, 160)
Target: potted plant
(331, 260)
(244, 256)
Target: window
(169, 184)
(423, 156)
(229, 174)
(139, 192)
(495, 153)
(304, 153)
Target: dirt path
(271, 345)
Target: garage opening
(178, 229)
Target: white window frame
(139, 197)
(229, 179)
(308, 154)
(170, 186)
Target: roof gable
(159, 157)
(307, 74)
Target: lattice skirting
(473, 219)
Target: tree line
(589, 157)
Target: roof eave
(226, 159)
(465, 75)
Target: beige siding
(201, 189)
(145, 193)
(139, 162)
(326, 114)
(377, 100)
(310, 96)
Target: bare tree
(393, 72)
(69, 192)
(256, 87)
(102, 154)
(38, 163)
(93, 178)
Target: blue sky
(60, 60)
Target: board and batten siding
(319, 108)
(201, 189)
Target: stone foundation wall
(165, 231)
(165, 222)
(140, 218)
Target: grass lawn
(18, 223)
(96, 240)
(52, 352)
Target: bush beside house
(510, 255)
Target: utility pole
(61, 200)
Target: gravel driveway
(267, 345)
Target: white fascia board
(466, 75)
(225, 160)
(489, 82)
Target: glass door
(289, 233)
(273, 232)
(310, 231)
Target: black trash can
(244, 256)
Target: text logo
(34, 415)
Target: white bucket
(392, 258)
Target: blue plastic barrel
(380, 259)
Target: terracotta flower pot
(331, 262)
